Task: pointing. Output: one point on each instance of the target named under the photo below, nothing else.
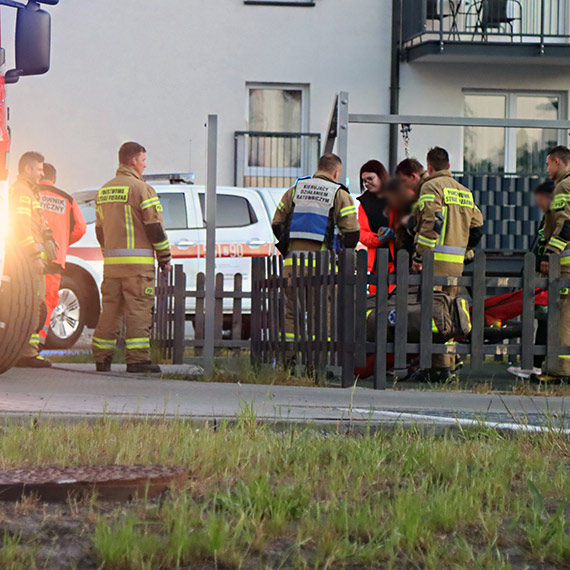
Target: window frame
(181, 193)
(290, 3)
(510, 158)
(253, 219)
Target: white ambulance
(243, 231)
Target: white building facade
(152, 72)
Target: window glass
(231, 211)
(174, 211)
(533, 144)
(88, 211)
(275, 111)
(484, 148)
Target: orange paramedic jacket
(63, 217)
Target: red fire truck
(17, 299)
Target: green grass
(400, 499)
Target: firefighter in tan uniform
(131, 233)
(33, 234)
(450, 224)
(557, 240)
(306, 218)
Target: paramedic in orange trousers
(67, 225)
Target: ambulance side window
(231, 211)
(174, 211)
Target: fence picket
(237, 316)
(381, 319)
(200, 318)
(478, 310)
(426, 293)
(401, 313)
(527, 340)
(553, 334)
(179, 314)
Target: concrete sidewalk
(75, 390)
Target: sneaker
(522, 373)
(104, 366)
(143, 368)
(33, 362)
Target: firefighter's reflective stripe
(557, 243)
(449, 254)
(137, 343)
(129, 227)
(129, 260)
(444, 226)
(289, 337)
(423, 199)
(161, 245)
(150, 202)
(104, 344)
(36, 205)
(280, 206)
(347, 211)
(465, 309)
(23, 211)
(305, 262)
(559, 201)
(313, 200)
(434, 328)
(565, 258)
(129, 253)
(428, 242)
(28, 241)
(35, 339)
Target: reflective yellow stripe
(464, 308)
(434, 328)
(35, 339)
(104, 343)
(28, 241)
(133, 343)
(307, 262)
(427, 198)
(444, 227)
(150, 203)
(564, 260)
(369, 312)
(560, 201)
(280, 205)
(22, 210)
(162, 245)
(133, 260)
(426, 241)
(129, 227)
(36, 205)
(449, 257)
(347, 211)
(557, 243)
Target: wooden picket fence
(330, 316)
(329, 320)
(168, 332)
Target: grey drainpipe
(395, 82)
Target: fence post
(478, 310)
(347, 316)
(179, 290)
(381, 318)
(553, 326)
(527, 341)
(401, 323)
(257, 264)
(237, 315)
(360, 285)
(426, 292)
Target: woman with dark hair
(372, 212)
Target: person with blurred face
(400, 200)
(372, 212)
(412, 173)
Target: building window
(280, 2)
(497, 150)
(277, 147)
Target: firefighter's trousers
(131, 298)
(563, 367)
(445, 360)
(52, 281)
(32, 349)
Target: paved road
(75, 390)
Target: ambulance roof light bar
(171, 177)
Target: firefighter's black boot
(104, 366)
(431, 375)
(143, 368)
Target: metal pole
(343, 134)
(211, 182)
(395, 82)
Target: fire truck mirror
(33, 39)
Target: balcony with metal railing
(474, 30)
(274, 159)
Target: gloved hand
(50, 246)
(385, 235)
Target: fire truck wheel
(18, 307)
(69, 317)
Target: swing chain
(405, 131)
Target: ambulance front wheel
(69, 317)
